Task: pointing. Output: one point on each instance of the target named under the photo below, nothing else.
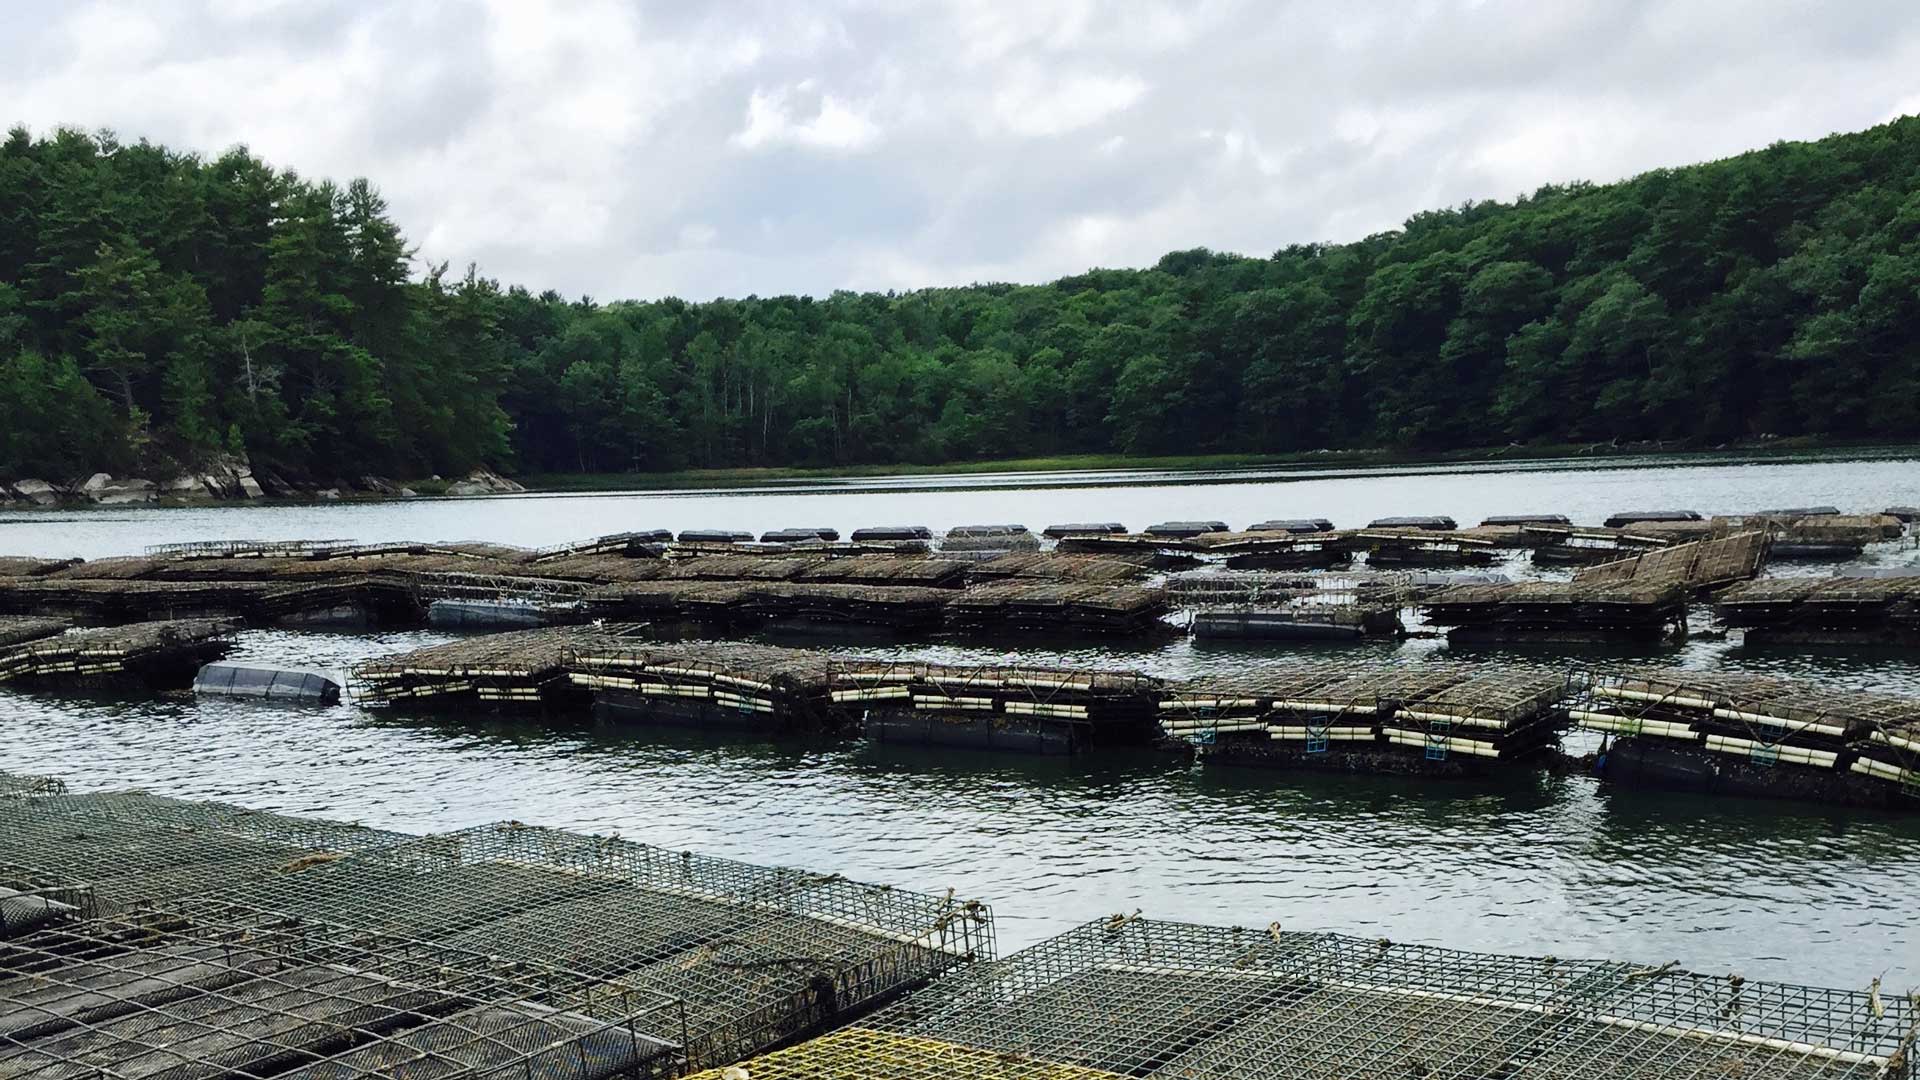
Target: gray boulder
(38, 492)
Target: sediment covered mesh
(127, 849)
(210, 990)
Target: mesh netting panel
(1126, 997)
(215, 990)
(134, 848)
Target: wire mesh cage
(224, 991)
(127, 848)
(1170, 1001)
(758, 954)
(15, 784)
(161, 654)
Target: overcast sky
(626, 149)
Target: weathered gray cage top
(757, 954)
(1127, 997)
(223, 991)
(130, 848)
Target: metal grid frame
(1173, 1001)
(131, 848)
(758, 954)
(221, 990)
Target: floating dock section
(152, 655)
(1410, 718)
(1130, 997)
(1754, 735)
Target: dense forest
(158, 308)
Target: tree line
(157, 309)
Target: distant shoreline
(569, 483)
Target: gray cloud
(623, 149)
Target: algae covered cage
(1128, 997)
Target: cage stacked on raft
(1031, 709)
(1269, 606)
(1130, 997)
(703, 603)
(1086, 607)
(710, 686)
(521, 669)
(1558, 611)
(1415, 718)
(1753, 735)
(1057, 566)
(112, 851)
(1835, 610)
(754, 955)
(1278, 549)
(152, 655)
(981, 542)
(209, 990)
(1414, 546)
(1570, 545)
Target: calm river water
(1539, 864)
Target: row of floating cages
(1133, 997)
(1825, 609)
(1368, 717)
(157, 655)
(1021, 708)
(1059, 566)
(358, 597)
(1422, 547)
(709, 686)
(516, 669)
(1786, 737)
(745, 956)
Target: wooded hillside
(157, 308)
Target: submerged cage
(214, 990)
(1127, 997)
(757, 955)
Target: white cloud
(773, 119)
(619, 150)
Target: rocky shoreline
(232, 480)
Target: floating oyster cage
(224, 990)
(15, 785)
(1699, 566)
(1434, 711)
(1840, 607)
(20, 629)
(1766, 721)
(1048, 605)
(522, 668)
(1058, 566)
(1129, 997)
(902, 607)
(786, 688)
(1540, 608)
(887, 570)
(890, 532)
(755, 955)
(160, 654)
(126, 849)
(1061, 708)
(251, 549)
(643, 541)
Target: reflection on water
(1533, 863)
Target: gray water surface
(1535, 864)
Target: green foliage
(157, 308)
